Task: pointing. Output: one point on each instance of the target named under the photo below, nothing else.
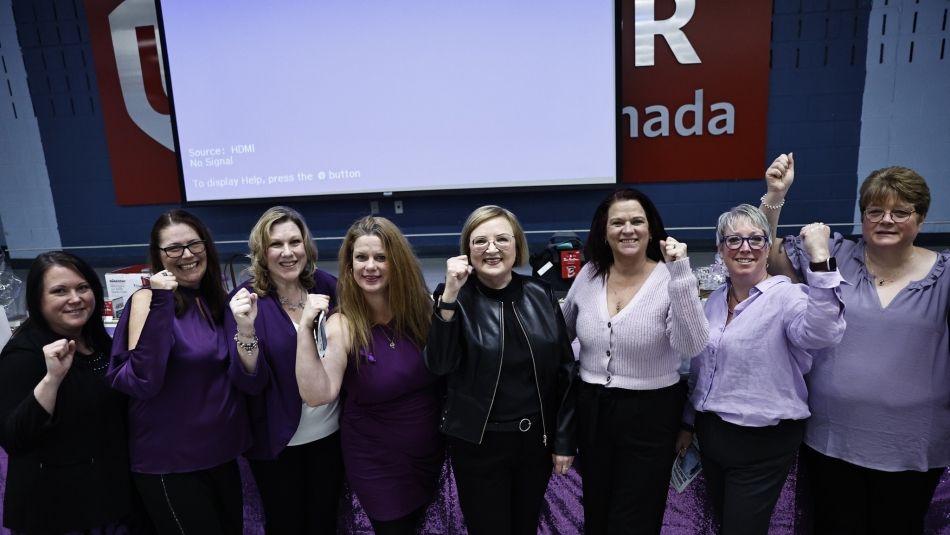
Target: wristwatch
(442, 305)
(828, 265)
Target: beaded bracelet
(771, 206)
(246, 346)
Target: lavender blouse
(882, 397)
(751, 372)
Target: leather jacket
(468, 350)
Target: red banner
(694, 89)
(135, 104)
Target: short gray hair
(728, 221)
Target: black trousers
(745, 469)
(501, 482)
(852, 499)
(627, 448)
(205, 502)
(300, 490)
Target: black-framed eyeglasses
(502, 243)
(175, 251)
(876, 215)
(756, 241)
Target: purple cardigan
(184, 412)
(275, 403)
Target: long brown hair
(409, 300)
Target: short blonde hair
(490, 211)
(260, 238)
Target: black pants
(627, 448)
(852, 499)
(300, 490)
(501, 482)
(407, 525)
(745, 469)
(206, 502)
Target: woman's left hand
(815, 241)
(672, 250)
(562, 463)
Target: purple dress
(392, 448)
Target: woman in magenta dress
(392, 450)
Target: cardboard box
(122, 283)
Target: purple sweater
(184, 413)
(275, 404)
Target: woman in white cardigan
(635, 310)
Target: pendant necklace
(881, 281)
(392, 341)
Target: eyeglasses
(875, 215)
(175, 251)
(755, 241)
(502, 243)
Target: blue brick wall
(817, 82)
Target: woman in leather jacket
(500, 339)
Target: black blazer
(468, 350)
(70, 470)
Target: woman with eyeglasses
(636, 312)
(500, 339)
(879, 436)
(187, 421)
(392, 451)
(747, 387)
(295, 457)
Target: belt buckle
(524, 424)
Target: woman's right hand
(59, 358)
(163, 280)
(779, 176)
(457, 270)
(244, 308)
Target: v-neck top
(642, 346)
(882, 398)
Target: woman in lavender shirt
(879, 436)
(187, 421)
(748, 386)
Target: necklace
(881, 281)
(98, 363)
(731, 301)
(392, 341)
(291, 305)
(621, 297)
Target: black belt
(522, 424)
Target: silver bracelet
(246, 346)
(771, 206)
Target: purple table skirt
(686, 513)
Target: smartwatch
(828, 265)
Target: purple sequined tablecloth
(686, 513)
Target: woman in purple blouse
(392, 449)
(879, 436)
(748, 386)
(295, 457)
(187, 421)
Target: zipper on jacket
(501, 360)
(537, 384)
